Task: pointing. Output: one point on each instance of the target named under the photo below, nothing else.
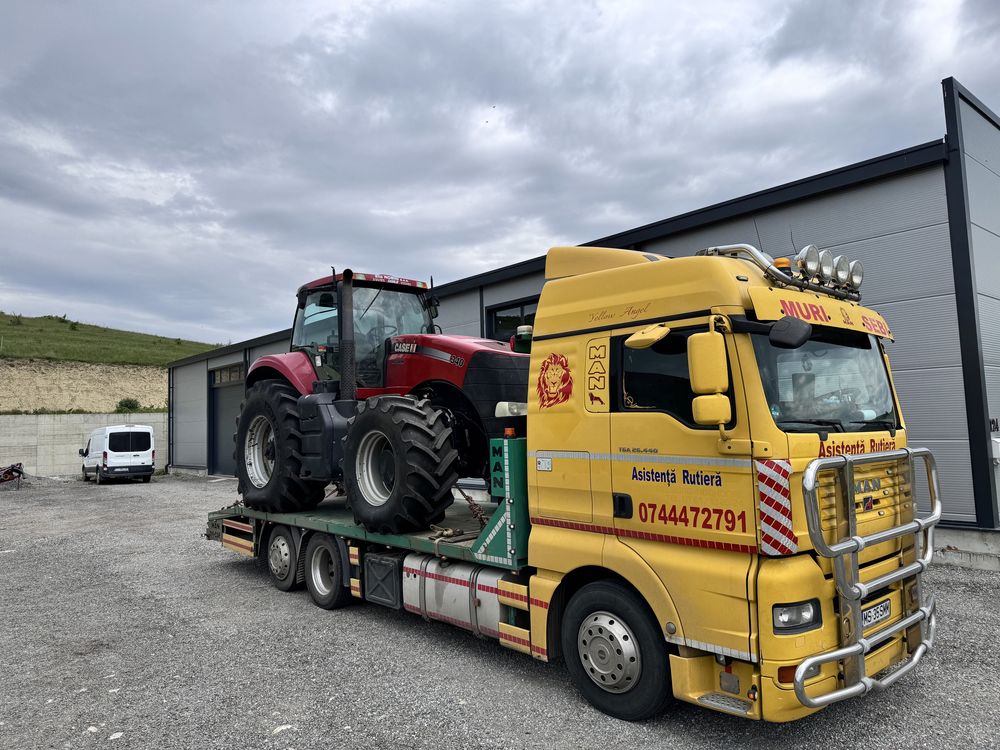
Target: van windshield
(124, 442)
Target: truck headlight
(825, 266)
(841, 269)
(796, 618)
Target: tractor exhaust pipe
(348, 366)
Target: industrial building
(924, 220)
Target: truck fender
(293, 367)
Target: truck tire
(615, 652)
(282, 562)
(325, 573)
(399, 464)
(267, 454)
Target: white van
(121, 450)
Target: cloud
(181, 167)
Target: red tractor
(370, 396)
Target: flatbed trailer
(420, 571)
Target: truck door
(684, 507)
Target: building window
(228, 375)
(502, 322)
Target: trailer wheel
(615, 652)
(268, 455)
(282, 561)
(325, 573)
(399, 464)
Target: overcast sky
(182, 166)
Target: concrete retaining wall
(47, 444)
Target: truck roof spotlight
(825, 266)
(807, 261)
(841, 269)
(857, 274)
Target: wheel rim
(321, 570)
(609, 652)
(279, 557)
(376, 468)
(258, 451)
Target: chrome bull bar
(844, 553)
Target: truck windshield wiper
(836, 423)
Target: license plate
(872, 615)
(125, 469)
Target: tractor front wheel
(399, 464)
(268, 456)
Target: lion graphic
(555, 383)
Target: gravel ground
(121, 626)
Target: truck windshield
(835, 381)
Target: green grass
(58, 338)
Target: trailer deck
(503, 542)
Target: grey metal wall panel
(926, 332)
(233, 358)
(874, 209)
(279, 347)
(931, 401)
(911, 264)
(459, 314)
(955, 475)
(984, 196)
(190, 415)
(724, 233)
(989, 329)
(980, 138)
(993, 393)
(986, 252)
(526, 286)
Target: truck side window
(657, 378)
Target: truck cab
(730, 446)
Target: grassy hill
(57, 338)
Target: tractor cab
(381, 307)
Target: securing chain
(477, 511)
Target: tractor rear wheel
(268, 456)
(399, 464)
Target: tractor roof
(367, 278)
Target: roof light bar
(815, 269)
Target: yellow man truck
(699, 483)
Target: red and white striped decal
(774, 494)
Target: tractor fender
(293, 367)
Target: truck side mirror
(789, 333)
(433, 305)
(707, 364)
(712, 409)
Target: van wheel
(145, 479)
(97, 475)
(84, 470)
(615, 652)
(282, 562)
(324, 573)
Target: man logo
(867, 485)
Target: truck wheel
(282, 561)
(324, 573)
(268, 456)
(399, 464)
(615, 652)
